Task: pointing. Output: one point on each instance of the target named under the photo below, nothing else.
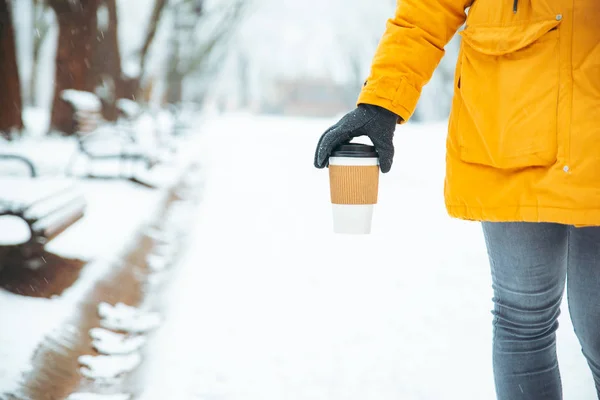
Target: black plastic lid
(354, 150)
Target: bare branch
(152, 27)
(221, 34)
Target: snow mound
(36, 121)
(81, 100)
(111, 343)
(13, 231)
(161, 236)
(128, 319)
(157, 278)
(132, 69)
(94, 396)
(108, 367)
(165, 250)
(157, 263)
(129, 107)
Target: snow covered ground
(102, 235)
(268, 304)
(117, 211)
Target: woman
(523, 157)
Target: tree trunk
(10, 96)
(244, 70)
(78, 27)
(174, 78)
(174, 88)
(41, 28)
(159, 6)
(33, 82)
(107, 63)
(140, 86)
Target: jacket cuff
(399, 97)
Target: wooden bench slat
(48, 207)
(24, 192)
(52, 225)
(51, 205)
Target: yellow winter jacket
(524, 131)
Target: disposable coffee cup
(354, 184)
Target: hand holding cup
(353, 167)
(377, 123)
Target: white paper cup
(352, 219)
(354, 184)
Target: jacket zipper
(515, 6)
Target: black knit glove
(366, 120)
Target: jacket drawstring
(515, 6)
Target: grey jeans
(530, 264)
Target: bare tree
(10, 96)
(78, 27)
(131, 86)
(42, 22)
(195, 41)
(157, 13)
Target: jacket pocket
(509, 82)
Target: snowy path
(269, 305)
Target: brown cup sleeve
(352, 184)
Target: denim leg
(583, 288)
(528, 264)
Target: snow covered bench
(159, 135)
(99, 141)
(87, 109)
(35, 211)
(22, 160)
